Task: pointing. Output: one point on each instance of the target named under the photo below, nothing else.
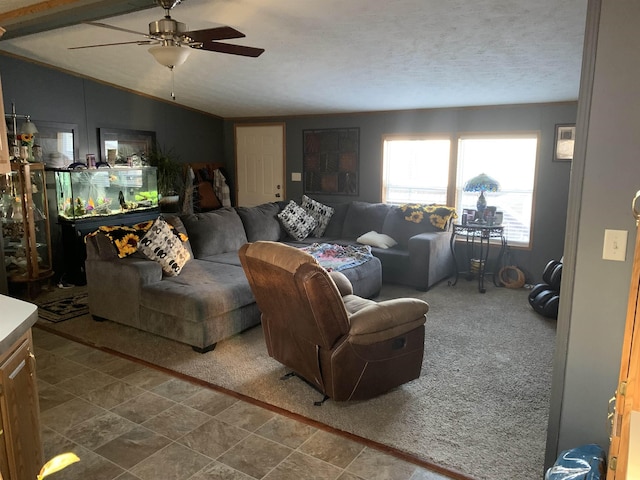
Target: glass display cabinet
(91, 197)
(25, 224)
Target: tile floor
(127, 421)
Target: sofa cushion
(322, 213)
(218, 231)
(161, 245)
(176, 223)
(296, 221)
(261, 222)
(334, 227)
(203, 290)
(400, 229)
(363, 217)
(229, 258)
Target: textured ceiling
(328, 56)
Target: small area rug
(64, 308)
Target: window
(415, 170)
(512, 162)
(421, 169)
(65, 146)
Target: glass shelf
(25, 223)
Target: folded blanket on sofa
(339, 257)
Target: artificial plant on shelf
(170, 172)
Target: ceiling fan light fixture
(170, 55)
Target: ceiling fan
(169, 38)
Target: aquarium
(101, 192)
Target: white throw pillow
(376, 239)
(296, 221)
(322, 213)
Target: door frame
(574, 210)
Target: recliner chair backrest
(302, 309)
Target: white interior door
(259, 163)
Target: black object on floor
(545, 297)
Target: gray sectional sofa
(211, 300)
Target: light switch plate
(615, 245)
(296, 177)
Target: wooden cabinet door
(4, 457)
(627, 397)
(20, 411)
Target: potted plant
(170, 174)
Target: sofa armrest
(388, 319)
(430, 258)
(144, 270)
(132, 270)
(99, 247)
(126, 272)
(423, 244)
(122, 279)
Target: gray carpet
(479, 408)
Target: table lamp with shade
(481, 183)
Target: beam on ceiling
(52, 14)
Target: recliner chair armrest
(388, 319)
(342, 282)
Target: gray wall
(593, 313)
(53, 96)
(552, 178)
(49, 95)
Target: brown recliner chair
(347, 347)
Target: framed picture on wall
(565, 141)
(56, 144)
(118, 144)
(330, 161)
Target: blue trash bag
(582, 463)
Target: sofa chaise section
(206, 303)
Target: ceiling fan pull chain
(173, 85)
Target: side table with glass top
(478, 239)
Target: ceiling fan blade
(104, 25)
(232, 49)
(137, 42)
(211, 34)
